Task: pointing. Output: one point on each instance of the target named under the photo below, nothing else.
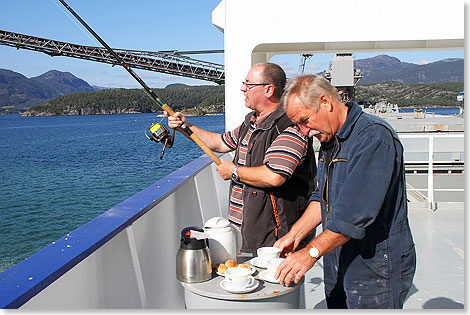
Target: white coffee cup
(272, 264)
(238, 278)
(266, 253)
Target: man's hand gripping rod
(149, 92)
(194, 137)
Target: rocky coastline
(84, 111)
(90, 111)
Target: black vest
(270, 212)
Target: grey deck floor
(439, 281)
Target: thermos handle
(238, 237)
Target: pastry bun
(231, 263)
(221, 268)
(244, 266)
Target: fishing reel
(160, 133)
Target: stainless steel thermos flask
(193, 260)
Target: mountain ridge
(21, 92)
(384, 68)
(17, 92)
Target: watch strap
(309, 247)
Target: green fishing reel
(160, 133)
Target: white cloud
(312, 68)
(288, 69)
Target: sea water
(59, 172)
(435, 110)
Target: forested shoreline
(198, 100)
(201, 100)
(411, 95)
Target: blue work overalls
(362, 192)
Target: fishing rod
(159, 133)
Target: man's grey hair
(309, 88)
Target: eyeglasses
(252, 85)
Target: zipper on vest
(250, 148)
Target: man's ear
(326, 101)
(270, 90)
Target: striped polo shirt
(286, 152)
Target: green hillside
(197, 100)
(412, 95)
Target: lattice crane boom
(171, 63)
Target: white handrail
(430, 189)
(431, 202)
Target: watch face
(235, 174)
(314, 252)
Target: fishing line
(159, 133)
(95, 41)
(81, 28)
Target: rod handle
(205, 148)
(195, 138)
(168, 109)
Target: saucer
(253, 270)
(224, 286)
(264, 275)
(258, 263)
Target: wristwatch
(235, 173)
(315, 253)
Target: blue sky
(151, 25)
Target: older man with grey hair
(368, 252)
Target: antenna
(303, 59)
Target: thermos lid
(192, 243)
(217, 222)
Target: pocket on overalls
(369, 273)
(407, 271)
(374, 254)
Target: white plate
(264, 275)
(244, 290)
(258, 263)
(253, 270)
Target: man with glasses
(273, 172)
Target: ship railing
(126, 257)
(435, 154)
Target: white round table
(210, 295)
